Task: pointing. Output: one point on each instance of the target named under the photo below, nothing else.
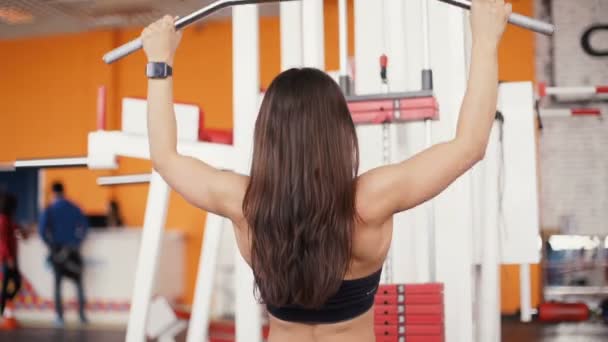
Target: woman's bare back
(370, 247)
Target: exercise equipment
(592, 93)
(402, 312)
(563, 312)
(163, 323)
(136, 44)
(409, 312)
(515, 19)
(569, 112)
(51, 162)
(389, 107)
(101, 108)
(594, 90)
(395, 107)
(124, 179)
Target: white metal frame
(588, 91)
(124, 179)
(204, 279)
(567, 112)
(246, 100)
(147, 260)
(51, 162)
(104, 147)
(487, 325)
(291, 35)
(313, 34)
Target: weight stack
(409, 313)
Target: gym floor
(512, 331)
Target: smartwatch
(158, 70)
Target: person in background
(63, 227)
(114, 219)
(11, 277)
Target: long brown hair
(300, 202)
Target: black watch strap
(158, 70)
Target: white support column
(368, 49)
(313, 34)
(406, 266)
(488, 299)
(246, 98)
(415, 134)
(369, 46)
(291, 34)
(453, 213)
(147, 260)
(343, 36)
(525, 290)
(201, 308)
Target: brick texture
(573, 151)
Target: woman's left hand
(161, 40)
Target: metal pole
(51, 163)
(124, 180)
(246, 100)
(427, 84)
(201, 307)
(525, 293)
(147, 260)
(515, 19)
(313, 34)
(136, 44)
(427, 74)
(343, 40)
(291, 35)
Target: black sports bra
(354, 298)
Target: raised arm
(393, 188)
(208, 188)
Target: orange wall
(516, 55)
(48, 96)
(47, 101)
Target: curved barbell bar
(136, 44)
(515, 19)
(45, 163)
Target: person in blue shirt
(63, 227)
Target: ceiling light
(15, 16)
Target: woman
(11, 278)
(314, 232)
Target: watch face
(156, 70)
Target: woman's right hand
(160, 40)
(488, 21)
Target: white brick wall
(573, 151)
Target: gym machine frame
(593, 93)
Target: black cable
(501, 172)
(537, 109)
